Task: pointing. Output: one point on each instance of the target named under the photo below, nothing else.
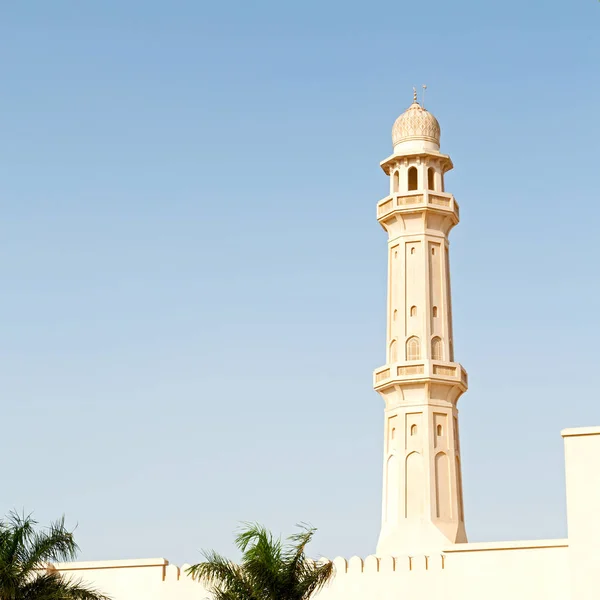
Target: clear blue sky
(193, 279)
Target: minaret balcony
(411, 201)
(412, 371)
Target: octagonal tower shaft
(420, 382)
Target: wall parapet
(521, 545)
(388, 564)
(110, 564)
(498, 570)
(343, 566)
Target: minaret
(420, 382)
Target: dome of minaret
(416, 125)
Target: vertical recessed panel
(392, 490)
(442, 487)
(415, 486)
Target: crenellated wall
(517, 571)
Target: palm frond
(268, 570)
(56, 544)
(25, 554)
(298, 543)
(19, 529)
(51, 585)
(222, 576)
(312, 578)
(263, 561)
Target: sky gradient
(193, 278)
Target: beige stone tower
(420, 382)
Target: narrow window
(436, 348)
(430, 179)
(396, 181)
(413, 311)
(413, 349)
(435, 311)
(412, 250)
(412, 179)
(439, 430)
(393, 351)
(433, 251)
(413, 430)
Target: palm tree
(26, 554)
(269, 569)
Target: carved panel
(443, 370)
(410, 370)
(382, 209)
(382, 375)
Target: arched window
(413, 348)
(430, 179)
(439, 430)
(413, 311)
(393, 351)
(412, 179)
(396, 180)
(436, 349)
(435, 311)
(413, 430)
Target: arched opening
(412, 250)
(413, 430)
(430, 179)
(414, 480)
(443, 492)
(435, 311)
(392, 478)
(436, 349)
(439, 430)
(413, 311)
(413, 348)
(393, 351)
(396, 181)
(461, 514)
(412, 179)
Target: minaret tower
(420, 382)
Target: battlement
(388, 564)
(355, 565)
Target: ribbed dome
(415, 123)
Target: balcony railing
(421, 369)
(388, 204)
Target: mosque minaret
(420, 382)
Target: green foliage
(26, 554)
(269, 569)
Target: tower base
(420, 538)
